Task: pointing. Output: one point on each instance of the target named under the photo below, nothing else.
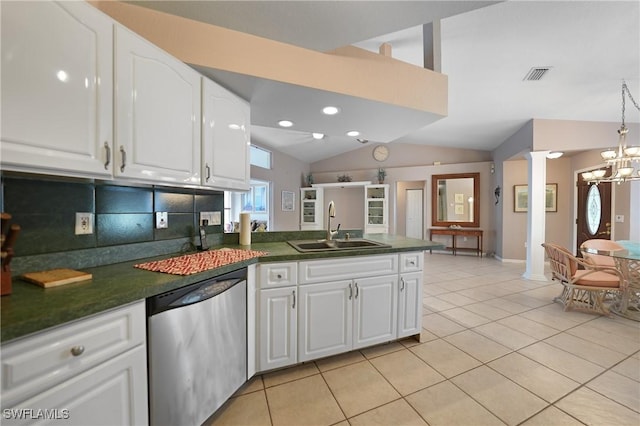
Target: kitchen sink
(334, 245)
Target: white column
(537, 162)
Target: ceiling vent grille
(536, 73)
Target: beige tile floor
(495, 350)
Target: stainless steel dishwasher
(197, 337)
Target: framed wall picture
(459, 198)
(551, 197)
(520, 198)
(288, 201)
(521, 194)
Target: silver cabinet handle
(294, 300)
(350, 291)
(357, 290)
(124, 158)
(208, 170)
(108, 161)
(77, 350)
(401, 284)
(279, 276)
(412, 262)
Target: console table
(459, 232)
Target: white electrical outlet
(162, 220)
(620, 218)
(84, 223)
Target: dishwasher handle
(194, 293)
(206, 291)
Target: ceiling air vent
(536, 73)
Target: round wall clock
(380, 153)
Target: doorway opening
(410, 208)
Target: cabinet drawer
(272, 275)
(316, 271)
(411, 262)
(113, 393)
(36, 363)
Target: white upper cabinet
(57, 85)
(157, 123)
(225, 138)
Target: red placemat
(198, 262)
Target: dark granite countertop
(30, 308)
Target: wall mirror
(454, 200)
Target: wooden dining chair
(586, 286)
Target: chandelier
(621, 159)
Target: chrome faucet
(330, 214)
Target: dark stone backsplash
(45, 209)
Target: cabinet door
(157, 104)
(225, 138)
(376, 209)
(410, 304)
(325, 319)
(113, 393)
(375, 310)
(57, 81)
(278, 327)
(311, 205)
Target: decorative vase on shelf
(381, 175)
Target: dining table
(627, 261)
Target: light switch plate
(162, 220)
(216, 218)
(212, 218)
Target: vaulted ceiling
(486, 49)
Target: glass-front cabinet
(376, 209)
(311, 209)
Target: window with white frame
(255, 202)
(260, 157)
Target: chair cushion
(596, 279)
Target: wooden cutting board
(56, 277)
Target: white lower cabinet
(277, 327)
(113, 393)
(325, 319)
(336, 305)
(340, 316)
(410, 304)
(375, 310)
(91, 371)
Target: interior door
(594, 211)
(414, 214)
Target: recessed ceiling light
(353, 133)
(330, 110)
(554, 154)
(317, 135)
(285, 123)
